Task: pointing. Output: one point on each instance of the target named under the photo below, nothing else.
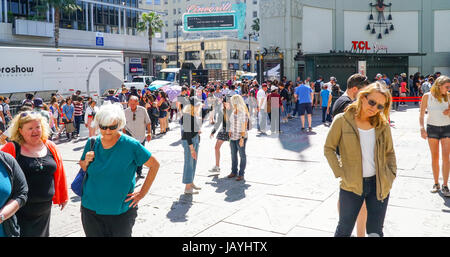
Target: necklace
(41, 166)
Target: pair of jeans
(77, 122)
(350, 205)
(325, 116)
(395, 102)
(262, 120)
(235, 148)
(139, 168)
(295, 109)
(284, 112)
(189, 163)
(96, 225)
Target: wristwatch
(2, 218)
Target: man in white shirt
(262, 101)
(137, 121)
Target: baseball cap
(264, 85)
(273, 88)
(38, 102)
(333, 79)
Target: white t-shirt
(436, 110)
(367, 139)
(262, 95)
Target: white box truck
(42, 71)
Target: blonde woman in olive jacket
(367, 165)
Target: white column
(120, 22)
(125, 22)
(48, 13)
(86, 13)
(5, 10)
(1, 11)
(92, 17)
(53, 15)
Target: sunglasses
(134, 116)
(112, 127)
(25, 114)
(373, 103)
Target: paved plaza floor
(289, 189)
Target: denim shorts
(162, 114)
(438, 132)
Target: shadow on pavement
(180, 208)
(176, 143)
(234, 190)
(446, 201)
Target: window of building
(174, 11)
(255, 1)
(255, 14)
(247, 54)
(213, 66)
(192, 55)
(213, 55)
(234, 54)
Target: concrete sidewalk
(289, 189)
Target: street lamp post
(177, 24)
(249, 49)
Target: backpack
(5, 114)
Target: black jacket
(19, 191)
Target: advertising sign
(228, 17)
(362, 67)
(99, 39)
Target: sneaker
(310, 129)
(190, 191)
(445, 191)
(303, 129)
(215, 169)
(196, 187)
(436, 188)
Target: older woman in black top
(190, 140)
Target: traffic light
(202, 45)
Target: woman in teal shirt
(109, 201)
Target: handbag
(78, 182)
(70, 128)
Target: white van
(166, 77)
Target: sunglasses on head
(112, 127)
(373, 103)
(25, 114)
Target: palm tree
(152, 23)
(255, 25)
(60, 5)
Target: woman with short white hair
(109, 201)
